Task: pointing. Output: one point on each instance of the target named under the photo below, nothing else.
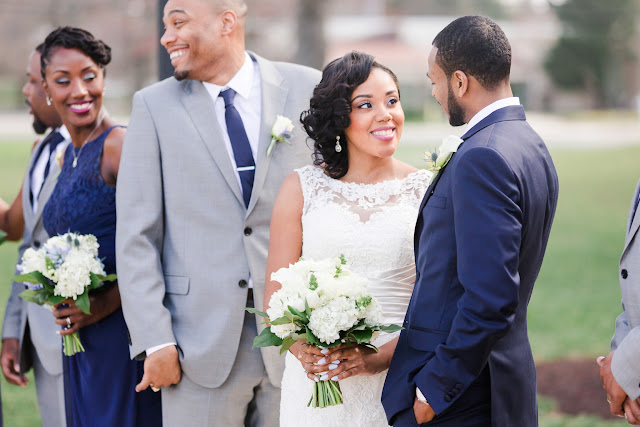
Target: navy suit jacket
(480, 238)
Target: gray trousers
(50, 391)
(246, 398)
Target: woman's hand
(102, 304)
(343, 361)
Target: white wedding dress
(372, 225)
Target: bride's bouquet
(64, 267)
(325, 304)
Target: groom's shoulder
(297, 74)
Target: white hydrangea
(338, 314)
(73, 276)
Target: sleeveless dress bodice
(372, 225)
(99, 383)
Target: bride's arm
(285, 241)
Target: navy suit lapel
(515, 112)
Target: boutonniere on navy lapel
(439, 160)
(280, 132)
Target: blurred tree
(311, 43)
(492, 8)
(594, 49)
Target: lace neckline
(353, 185)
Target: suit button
(447, 399)
(624, 273)
(36, 244)
(243, 283)
(248, 231)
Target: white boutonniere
(280, 132)
(437, 161)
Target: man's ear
(459, 83)
(229, 21)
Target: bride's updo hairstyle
(75, 38)
(330, 106)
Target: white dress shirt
(248, 101)
(37, 174)
(501, 103)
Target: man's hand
(9, 359)
(423, 412)
(632, 411)
(615, 394)
(161, 369)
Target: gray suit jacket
(31, 323)
(186, 245)
(626, 340)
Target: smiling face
(44, 116)
(193, 38)
(442, 91)
(75, 84)
(376, 117)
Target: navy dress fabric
(100, 382)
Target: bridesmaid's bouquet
(325, 304)
(64, 267)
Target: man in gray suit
(29, 331)
(195, 193)
(620, 370)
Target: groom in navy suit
(464, 357)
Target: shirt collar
(64, 132)
(241, 83)
(501, 103)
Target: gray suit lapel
(197, 102)
(634, 219)
(274, 97)
(47, 189)
(27, 207)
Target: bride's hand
(347, 361)
(313, 359)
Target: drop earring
(338, 147)
(48, 100)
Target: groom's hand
(9, 360)
(632, 411)
(423, 412)
(161, 369)
(615, 394)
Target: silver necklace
(76, 157)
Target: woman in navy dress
(100, 382)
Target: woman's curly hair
(75, 38)
(330, 106)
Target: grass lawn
(576, 298)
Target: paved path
(558, 132)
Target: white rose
(282, 126)
(449, 146)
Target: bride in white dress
(357, 201)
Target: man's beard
(456, 113)
(181, 75)
(38, 126)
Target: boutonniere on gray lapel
(437, 161)
(280, 132)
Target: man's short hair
(477, 46)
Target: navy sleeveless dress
(100, 382)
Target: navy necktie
(52, 140)
(245, 164)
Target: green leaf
(55, 299)
(307, 310)
(83, 302)
(313, 282)
(3, 237)
(34, 277)
(39, 296)
(296, 313)
(362, 336)
(312, 339)
(284, 320)
(258, 312)
(286, 344)
(266, 339)
(96, 281)
(391, 328)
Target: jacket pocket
(426, 339)
(178, 285)
(437, 202)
